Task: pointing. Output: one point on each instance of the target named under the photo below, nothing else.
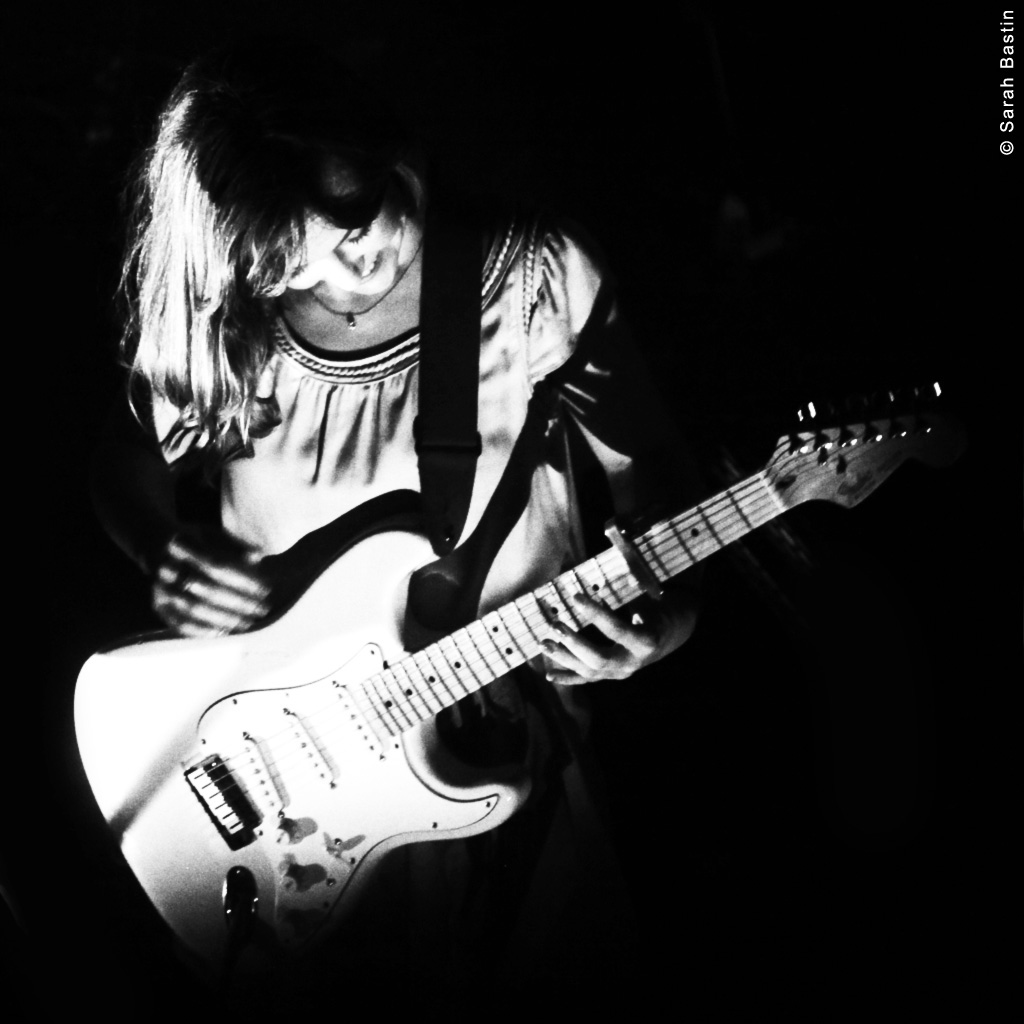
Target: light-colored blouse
(346, 430)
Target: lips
(372, 268)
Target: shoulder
(566, 286)
(555, 253)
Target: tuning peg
(806, 412)
(928, 392)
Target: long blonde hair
(217, 213)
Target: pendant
(351, 321)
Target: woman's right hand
(208, 585)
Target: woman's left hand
(571, 658)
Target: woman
(274, 282)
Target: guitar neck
(422, 684)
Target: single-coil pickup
(313, 756)
(262, 786)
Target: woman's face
(343, 267)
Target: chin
(380, 280)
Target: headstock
(845, 463)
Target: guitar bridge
(225, 800)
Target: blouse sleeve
(581, 345)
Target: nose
(337, 269)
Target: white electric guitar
(254, 781)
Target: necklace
(350, 315)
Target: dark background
(798, 206)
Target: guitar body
(255, 781)
(251, 795)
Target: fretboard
(415, 689)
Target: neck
(395, 313)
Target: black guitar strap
(445, 430)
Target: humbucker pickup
(225, 800)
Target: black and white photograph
(507, 512)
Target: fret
(397, 699)
(424, 687)
(629, 588)
(449, 650)
(770, 503)
(401, 704)
(587, 579)
(427, 681)
(616, 577)
(412, 689)
(647, 545)
(558, 604)
(367, 710)
(533, 615)
(599, 589)
(680, 537)
(773, 494)
(510, 644)
(743, 499)
(484, 646)
(702, 541)
(677, 558)
(437, 676)
(739, 508)
(471, 660)
(711, 528)
(381, 705)
(522, 636)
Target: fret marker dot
(408, 693)
(694, 532)
(458, 664)
(387, 703)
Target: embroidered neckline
(350, 367)
(395, 357)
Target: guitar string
(664, 537)
(410, 712)
(672, 566)
(369, 712)
(662, 544)
(476, 662)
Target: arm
(203, 582)
(611, 399)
